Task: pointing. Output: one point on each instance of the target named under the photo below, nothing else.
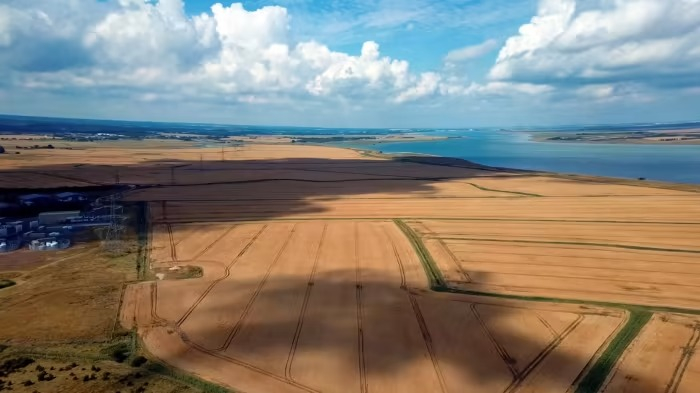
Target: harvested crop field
(651, 264)
(335, 306)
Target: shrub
(119, 352)
(138, 361)
(4, 283)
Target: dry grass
(73, 299)
(83, 376)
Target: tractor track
(227, 272)
(249, 366)
(239, 324)
(218, 239)
(687, 352)
(428, 341)
(527, 370)
(360, 335)
(300, 321)
(502, 352)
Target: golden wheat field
(340, 306)
(332, 270)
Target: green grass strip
(439, 284)
(435, 278)
(643, 248)
(142, 229)
(170, 372)
(504, 191)
(596, 376)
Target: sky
(361, 63)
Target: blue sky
(363, 63)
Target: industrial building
(49, 243)
(48, 229)
(53, 218)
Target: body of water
(496, 147)
(674, 163)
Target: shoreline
(428, 159)
(690, 137)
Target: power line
(114, 242)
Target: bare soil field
(338, 306)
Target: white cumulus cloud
(154, 49)
(654, 42)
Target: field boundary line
(119, 310)
(643, 248)
(417, 242)
(600, 370)
(583, 278)
(547, 220)
(226, 274)
(446, 249)
(587, 267)
(522, 194)
(304, 304)
(433, 273)
(241, 321)
(173, 249)
(422, 325)
(378, 218)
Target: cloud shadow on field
(477, 348)
(267, 189)
(211, 191)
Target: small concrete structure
(49, 243)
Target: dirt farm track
(330, 270)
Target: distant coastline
(660, 137)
